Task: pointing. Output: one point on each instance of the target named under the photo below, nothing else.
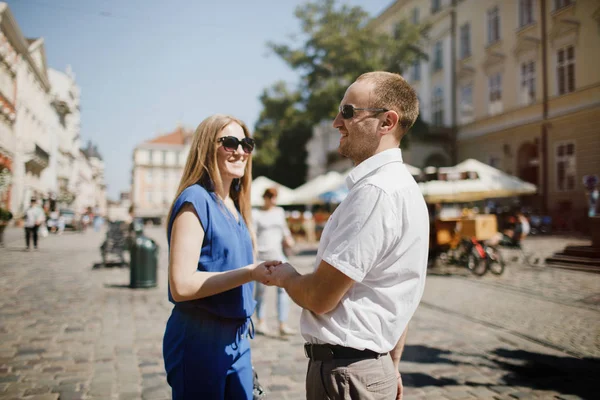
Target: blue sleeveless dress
(205, 347)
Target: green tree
(281, 133)
(336, 44)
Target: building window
(164, 157)
(149, 196)
(565, 166)
(416, 70)
(495, 93)
(415, 16)
(166, 175)
(565, 70)
(495, 86)
(527, 82)
(150, 156)
(558, 4)
(493, 24)
(437, 56)
(437, 107)
(466, 103)
(465, 41)
(149, 175)
(525, 12)
(436, 5)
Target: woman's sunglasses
(347, 110)
(231, 143)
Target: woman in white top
(272, 235)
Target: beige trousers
(365, 379)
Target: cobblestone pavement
(68, 331)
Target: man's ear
(390, 122)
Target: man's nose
(338, 121)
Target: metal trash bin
(143, 265)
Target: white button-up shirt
(379, 237)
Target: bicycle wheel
(476, 264)
(495, 261)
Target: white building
(99, 204)
(12, 45)
(89, 182)
(157, 168)
(66, 96)
(36, 130)
(40, 131)
(432, 78)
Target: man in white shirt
(34, 216)
(372, 259)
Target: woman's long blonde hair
(201, 165)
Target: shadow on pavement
(116, 286)
(427, 355)
(115, 264)
(565, 375)
(418, 379)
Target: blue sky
(145, 66)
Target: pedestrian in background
(372, 260)
(273, 236)
(34, 217)
(211, 268)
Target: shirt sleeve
(366, 230)
(198, 197)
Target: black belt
(328, 352)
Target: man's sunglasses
(347, 110)
(231, 143)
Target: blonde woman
(211, 270)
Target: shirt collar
(371, 164)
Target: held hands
(280, 274)
(262, 272)
(272, 273)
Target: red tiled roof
(176, 137)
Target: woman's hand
(262, 272)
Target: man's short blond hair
(392, 92)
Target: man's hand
(400, 387)
(262, 272)
(280, 274)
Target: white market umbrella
(485, 182)
(330, 187)
(262, 183)
(309, 192)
